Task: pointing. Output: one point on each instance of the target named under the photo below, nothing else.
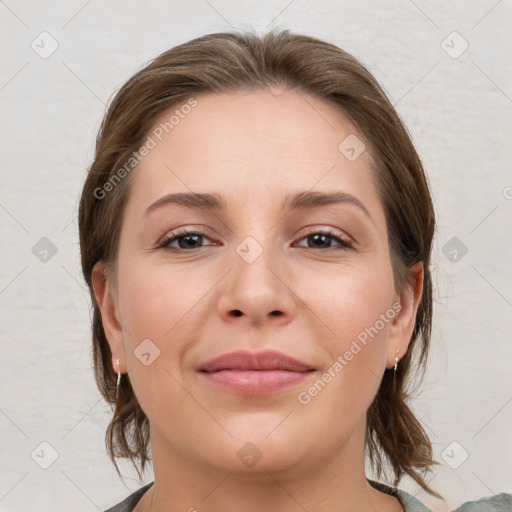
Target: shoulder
(128, 504)
(498, 503)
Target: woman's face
(296, 261)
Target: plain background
(457, 104)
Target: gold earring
(396, 361)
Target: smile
(247, 373)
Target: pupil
(321, 238)
(184, 241)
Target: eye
(323, 240)
(185, 239)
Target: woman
(256, 231)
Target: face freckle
(261, 276)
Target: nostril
(237, 312)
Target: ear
(402, 325)
(109, 316)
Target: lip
(254, 373)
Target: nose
(259, 291)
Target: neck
(338, 484)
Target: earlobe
(109, 316)
(403, 324)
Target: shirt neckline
(408, 502)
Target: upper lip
(265, 360)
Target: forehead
(256, 141)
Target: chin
(254, 455)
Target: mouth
(261, 373)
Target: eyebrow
(216, 202)
(213, 202)
(313, 199)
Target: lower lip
(254, 382)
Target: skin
(254, 148)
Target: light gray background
(459, 113)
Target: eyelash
(182, 233)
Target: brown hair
(227, 62)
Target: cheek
(161, 310)
(351, 299)
(356, 305)
(157, 301)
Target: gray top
(498, 503)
